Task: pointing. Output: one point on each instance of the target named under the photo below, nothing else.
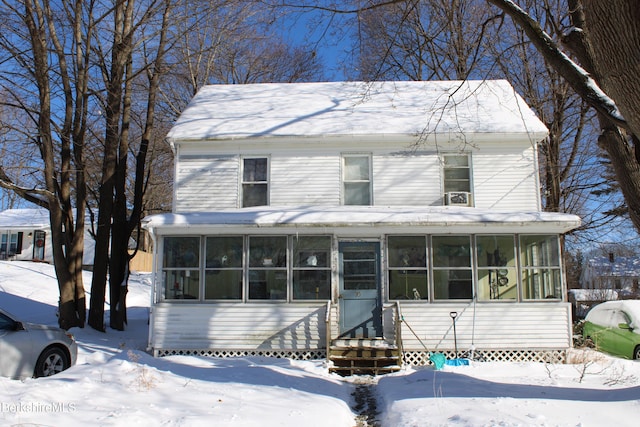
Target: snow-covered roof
(24, 219)
(382, 109)
(620, 267)
(451, 218)
(594, 294)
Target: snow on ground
(116, 383)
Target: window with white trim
(497, 268)
(181, 267)
(452, 268)
(541, 273)
(247, 268)
(223, 267)
(268, 267)
(456, 173)
(311, 267)
(356, 179)
(255, 181)
(408, 272)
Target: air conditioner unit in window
(458, 198)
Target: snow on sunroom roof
(367, 216)
(356, 109)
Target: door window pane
(359, 270)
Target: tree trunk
(118, 278)
(612, 29)
(610, 37)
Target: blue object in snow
(457, 362)
(438, 360)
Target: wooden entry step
(364, 357)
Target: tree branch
(580, 80)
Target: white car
(31, 350)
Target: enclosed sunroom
(290, 282)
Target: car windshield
(6, 322)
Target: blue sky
(325, 32)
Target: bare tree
(425, 40)
(605, 35)
(37, 40)
(87, 76)
(434, 39)
(604, 39)
(232, 45)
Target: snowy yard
(116, 383)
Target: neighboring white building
(25, 235)
(611, 272)
(308, 213)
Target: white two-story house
(305, 214)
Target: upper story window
(457, 179)
(356, 179)
(255, 181)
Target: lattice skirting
(414, 358)
(280, 354)
(421, 358)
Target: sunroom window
(255, 182)
(407, 267)
(181, 265)
(268, 267)
(541, 274)
(452, 272)
(223, 267)
(312, 267)
(356, 179)
(497, 271)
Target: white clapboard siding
(238, 326)
(504, 177)
(313, 179)
(497, 326)
(406, 179)
(205, 183)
